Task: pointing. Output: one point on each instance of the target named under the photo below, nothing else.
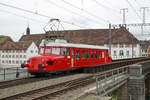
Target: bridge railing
(13, 73)
(110, 80)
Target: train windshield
(47, 51)
(41, 50)
(56, 51)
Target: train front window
(56, 51)
(47, 51)
(42, 51)
(63, 51)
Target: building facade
(123, 50)
(13, 54)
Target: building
(123, 43)
(13, 54)
(145, 47)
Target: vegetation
(4, 38)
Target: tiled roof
(88, 36)
(36, 38)
(15, 45)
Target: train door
(103, 56)
(72, 57)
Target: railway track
(53, 91)
(11, 83)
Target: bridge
(127, 83)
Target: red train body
(62, 56)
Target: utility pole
(144, 15)
(124, 10)
(109, 39)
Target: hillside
(4, 39)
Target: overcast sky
(88, 14)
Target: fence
(13, 73)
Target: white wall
(125, 49)
(32, 50)
(14, 58)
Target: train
(59, 56)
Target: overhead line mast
(144, 15)
(124, 10)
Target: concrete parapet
(136, 83)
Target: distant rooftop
(88, 36)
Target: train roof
(65, 44)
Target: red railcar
(61, 56)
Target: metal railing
(103, 86)
(13, 73)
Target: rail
(13, 73)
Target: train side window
(63, 51)
(41, 50)
(103, 54)
(88, 54)
(92, 54)
(56, 51)
(83, 55)
(99, 54)
(47, 51)
(96, 54)
(78, 54)
(68, 50)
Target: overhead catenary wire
(133, 9)
(51, 2)
(106, 7)
(39, 14)
(89, 13)
(18, 15)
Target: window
(88, 54)
(42, 51)
(16, 62)
(92, 54)
(47, 51)
(99, 54)
(24, 56)
(78, 54)
(96, 54)
(20, 56)
(83, 54)
(68, 51)
(127, 53)
(121, 53)
(103, 54)
(121, 45)
(31, 51)
(63, 51)
(115, 53)
(9, 61)
(56, 51)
